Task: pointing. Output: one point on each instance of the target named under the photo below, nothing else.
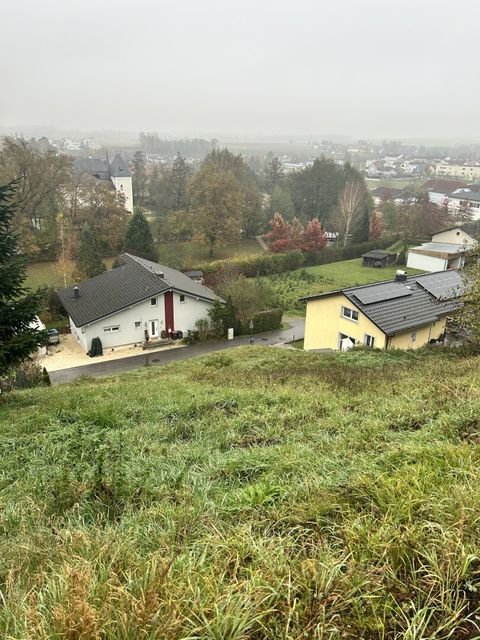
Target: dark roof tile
(132, 282)
(396, 307)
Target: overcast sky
(365, 68)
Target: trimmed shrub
(264, 321)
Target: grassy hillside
(262, 493)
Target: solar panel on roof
(382, 292)
(442, 285)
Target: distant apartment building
(464, 171)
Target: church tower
(122, 179)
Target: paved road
(153, 358)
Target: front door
(153, 328)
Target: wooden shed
(379, 258)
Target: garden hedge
(264, 321)
(267, 264)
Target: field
(184, 255)
(260, 494)
(46, 274)
(395, 183)
(291, 286)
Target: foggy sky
(365, 68)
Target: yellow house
(405, 313)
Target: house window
(414, 337)
(351, 314)
(138, 325)
(369, 341)
(111, 329)
(153, 302)
(182, 298)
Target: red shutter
(169, 322)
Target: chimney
(160, 274)
(400, 276)
(76, 293)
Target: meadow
(292, 285)
(179, 255)
(260, 494)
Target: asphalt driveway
(295, 331)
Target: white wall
(185, 316)
(439, 199)
(453, 236)
(426, 263)
(124, 185)
(79, 334)
(454, 206)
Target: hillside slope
(262, 493)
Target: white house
(446, 251)
(464, 200)
(116, 172)
(440, 190)
(137, 300)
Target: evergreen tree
(89, 262)
(18, 306)
(281, 200)
(362, 227)
(274, 174)
(138, 238)
(177, 183)
(139, 178)
(223, 317)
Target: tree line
(54, 203)
(225, 200)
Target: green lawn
(184, 255)
(291, 286)
(259, 494)
(399, 183)
(46, 274)
(177, 255)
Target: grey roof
(119, 168)
(132, 282)
(377, 254)
(396, 307)
(441, 247)
(386, 192)
(442, 185)
(96, 166)
(91, 165)
(472, 196)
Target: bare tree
(350, 205)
